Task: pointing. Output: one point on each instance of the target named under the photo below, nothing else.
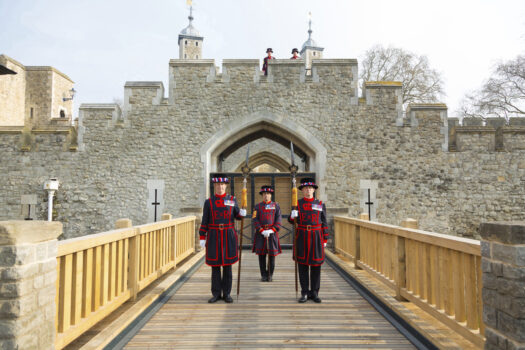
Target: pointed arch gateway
(264, 124)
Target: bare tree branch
(420, 82)
(502, 95)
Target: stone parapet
(503, 267)
(28, 273)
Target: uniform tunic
(265, 64)
(312, 231)
(267, 217)
(218, 229)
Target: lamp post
(50, 186)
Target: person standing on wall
(295, 54)
(218, 236)
(311, 237)
(269, 52)
(266, 221)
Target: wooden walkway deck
(267, 315)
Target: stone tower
(310, 51)
(190, 41)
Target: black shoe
(214, 299)
(270, 278)
(228, 299)
(316, 299)
(303, 299)
(264, 279)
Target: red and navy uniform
(295, 57)
(267, 217)
(218, 229)
(265, 64)
(312, 231)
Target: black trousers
(263, 267)
(310, 278)
(221, 283)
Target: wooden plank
(449, 294)
(104, 276)
(134, 265)
(112, 278)
(73, 245)
(87, 287)
(267, 315)
(66, 270)
(125, 265)
(96, 295)
(400, 266)
(479, 287)
(459, 286)
(76, 291)
(57, 295)
(442, 270)
(74, 332)
(461, 244)
(119, 271)
(469, 269)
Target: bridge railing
(98, 273)
(441, 274)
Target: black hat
(269, 50)
(295, 50)
(220, 178)
(308, 181)
(268, 189)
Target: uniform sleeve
(236, 211)
(277, 218)
(203, 230)
(255, 221)
(324, 225)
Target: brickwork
(177, 136)
(503, 266)
(28, 275)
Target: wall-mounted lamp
(51, 186)
(72, 93)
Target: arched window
(185, 42)
(196, 43)
(185, 56)
(314, 53)
(62, 113)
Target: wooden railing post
(400, 268)
(123, 223)
(166, 216)
(357, 245)
(134, 261)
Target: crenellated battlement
(280, 71)
(491, 134)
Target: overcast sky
(101, 44)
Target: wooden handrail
(98, 273)
(439, 273)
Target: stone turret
(310, 51)
(190, 41)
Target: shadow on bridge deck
(267, 315)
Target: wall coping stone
(182, 63)
(383, 84)
(334, 62)
(238, 62)
(48, 68)
(20, 232)
(144, 84)
(507, 232)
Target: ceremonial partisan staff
(244, 204)
(293, 170)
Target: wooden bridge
(384, 287)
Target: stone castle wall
(12, 93)
(175, 139)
